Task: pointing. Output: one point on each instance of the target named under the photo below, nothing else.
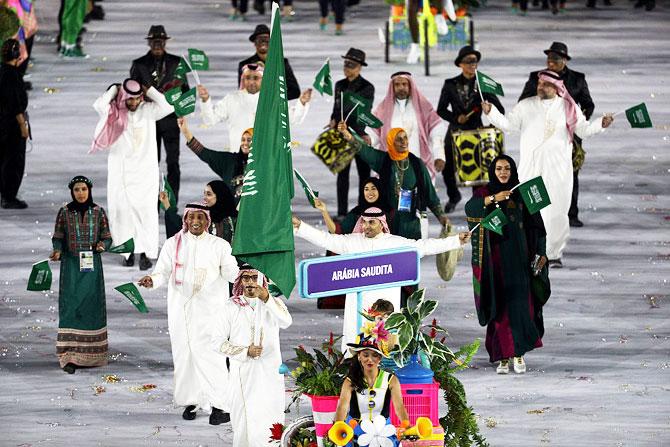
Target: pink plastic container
(323, 409)
(420, 400)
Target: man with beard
(158, 68)
(238, 109)
(127, 127)
(248, 334)
(575, 83)
(197, 267)
(261, 40)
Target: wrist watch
(492, 197)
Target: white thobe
(132, 173)
(256, 386)
(404, 117)
(197, 296)
(546, 151)
(238, 110)
(358, 243)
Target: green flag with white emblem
(40, 277)
(198, 59)
(129, 290)
(264, 232)
(323, 83)
(185, 105)
(488, 85)
(534, 194)
(638, 116)
(495, 221)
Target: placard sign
(342, 274)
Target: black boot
(218, 417)
(189, 413)
(145, 263)
(70, 368)
(130, 261)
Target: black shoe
(189, 413)
(575, 222)
(130, 261)
(450, 206)
(27, 85)
(650, 5)
(555, 264)
(218, 417)
(145, 263)
(14, 204)
(640, 4)
(70, 368)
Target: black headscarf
(379, 203)
(81, 208)
(494, 185)
(225, 202)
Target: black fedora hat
(157, 32)
(356, 55)
(260, 29)
(559, 48)
(466, 50)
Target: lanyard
(90, 227)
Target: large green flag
(185, 105)
(264, 232)
(534, 194)
(323, 83)
(198, 59)
(488, 85)
(495, 221)
(40, 277)
(638, 116)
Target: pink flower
(380, 331)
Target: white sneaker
(414, 53)
(519, 365)
(441, 25)
(503, 367)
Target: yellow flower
(368, 328)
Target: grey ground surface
(602, 377)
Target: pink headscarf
(426, 118)
(191, 207)
(238, 289)
(570, 105)
(369, 214)
(117, 117)
(259, 69)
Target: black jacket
(13, 99)
(575, 83)
(453, 94)
(291, 82)
(361, 87)
(158, 74)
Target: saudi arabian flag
(129, 290)
(40, 277)
(264, 232)
(488, 85)
(354, 100)
(185, 105)
(182, 69)
(198, 59)
(309, 192)
(172, 95)
(323, 83)
(127, 247)
(638, 116)
(367, 118)
(168, 190)
(495, 221)
(534, 194)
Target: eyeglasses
(470, 61)
(554, 57)
(350, 64)
(261, 40)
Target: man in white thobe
(405, 107)
(248, 334)
(238, 109)
(197, 268)
(127, 127)
(371, 234)
(547, 123)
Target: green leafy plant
(9, 23)
(321, 373)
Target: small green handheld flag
(185, 105)
(309, 192)
(495, 221)
(360, 102)
(638, 116)
(323, 83)
(198, 59)
(129, 290)
(182, 69)
(172, 95)
(40, 277)
(168, 189)
(366, 118)
(488, 85)
(534, 194)
(127, 247)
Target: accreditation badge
(85, 261)
(405, 200)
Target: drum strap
(419, 202)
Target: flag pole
(351, 111)
(195, 73)
(479, 86)
(341, 105)
(474, 228)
